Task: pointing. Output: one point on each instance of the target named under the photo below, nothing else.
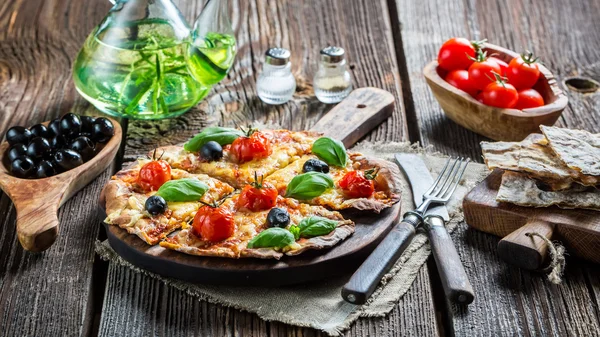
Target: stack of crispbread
(559, 167)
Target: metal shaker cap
(332, 54)
(277, 56)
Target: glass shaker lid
(277, 56)
(332, 54)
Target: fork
(366, 278)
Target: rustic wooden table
(68, 291)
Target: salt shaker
(332, 82)
(276, 84)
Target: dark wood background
(68, 291)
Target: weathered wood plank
(135, 305)
(47, 294)
(508, 300)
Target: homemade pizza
(248, 193)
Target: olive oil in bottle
(211, 57)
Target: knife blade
(451, 270)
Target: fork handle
(364, 281)
(454, 279)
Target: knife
(455, 282)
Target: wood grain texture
(525, 251)
(508, 301)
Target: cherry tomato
(503, 65)
(213, 223)
(523, 71)
(454, 54)
(460, 79)
(481, 72)
(479, 97)
(154, 174)
(358, 184)
(258, 197)
(529, 98)
(254, 146)
(500, 94)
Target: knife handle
(452, 272)
(364, 281)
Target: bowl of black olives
(47, 149)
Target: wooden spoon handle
(523, 251)
(37, 223)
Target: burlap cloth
(319, 305)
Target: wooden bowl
(497, 123)
(37, 200)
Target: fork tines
(448, 179)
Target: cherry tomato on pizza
(358, 184)
(456, 53)
(213, 223)
(258, 196)
(481, 72)
(460, 79)
(529, 98)
(523, 71)
(154, 174)
(254, 145)
(500, 94)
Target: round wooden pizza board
(349, 121)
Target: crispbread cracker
(577, 149)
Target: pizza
(239, 193)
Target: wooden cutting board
(578, 230)
(350, 120)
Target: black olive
(103, 130)
(40, 130)
(18, 134)
(67, 159)
(22, 167)
(58, 142)
(70, 125)
(156, 205)
(16, 151)
(54, 127)
(211, 151)
(45, 169)
(38, 148)
(84, 146)
(278, 217)
(315, 165)
(87, 124)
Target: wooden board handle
(364, 281)
(356, 115)
(37, 223)
(523, 251)
(454, 279)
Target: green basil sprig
(313, 226)
(187, 189)
(308, 185)
(272, 237)
(331, 151)
(219, 134)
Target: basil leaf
(220, 135)
(316, 226)
(308, 185)
(331, 151)
(295, 230)
(187, 189)
(272, 237)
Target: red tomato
(213, 223)
(154, 174)
(254, 146)
(479, 97)
(500, 94)
(357, 184)
(529, 98)
(481, 72)
(523, 71)
(460, 79)
(257, 197)
(503, 65)
(454, 54)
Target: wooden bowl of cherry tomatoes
(494, 91)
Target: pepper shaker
(332, 82)
(276, 84)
